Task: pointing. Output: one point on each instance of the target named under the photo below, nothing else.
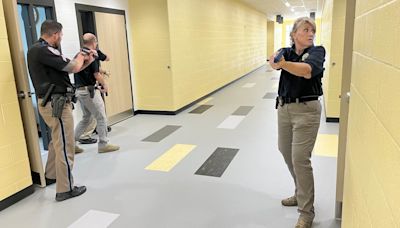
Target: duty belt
(287, 100)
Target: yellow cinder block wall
(15, 172)
(372, 174)
(151, 55)
(333, 24)
(207, 44)
(213, 42)
(270, 38)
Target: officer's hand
(94, 52)
(104, 88)
(90, 58)
(277, 65)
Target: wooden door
(111, 34)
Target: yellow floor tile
(326, 145)
(171, 158)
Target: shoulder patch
(304, 57)
(57, 52)
(54, 51)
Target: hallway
(240, 117)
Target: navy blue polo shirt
(296, 87)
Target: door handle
(21, 94)
(348, 97)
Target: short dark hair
(49, 27)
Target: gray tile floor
(247, 195)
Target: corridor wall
(372, 174)
(332, 38)
(211, 43)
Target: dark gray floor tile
(200, 109)
(217, 163)
(161, 134)
(243, 110)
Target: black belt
(87, 87)
(288, 100)
(64, 94)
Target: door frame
(344, 104)
(89, 8)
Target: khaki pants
(60, 158)
(298, 125)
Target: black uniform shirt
(296, 87)
(86, 76)
(46, 64)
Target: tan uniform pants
(60, 158)
(298, 125)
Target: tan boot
(78, 149)
(303, 222)
(108, 148)
(289, 202)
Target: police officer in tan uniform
(299, 112)
(49, 71)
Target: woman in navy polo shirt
(299, 112)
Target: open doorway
(109, 25)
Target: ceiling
(297, 8)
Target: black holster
(47, 96)
(91, 91)
(57, 103)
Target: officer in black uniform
(49, 71)
(86, 137)
(89, 95)
(299, 112)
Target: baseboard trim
(332, 120)
(16, 197)
(194, 102)
(338, 210)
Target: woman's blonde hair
(300, 22)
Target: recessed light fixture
(287, 4)
(292, 9)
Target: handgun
(278, 57)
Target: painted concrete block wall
(372, 175)
(333, 24)
(151, 45)
(15, 174)
(278, 36)
(270, 38)
(213, 42)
